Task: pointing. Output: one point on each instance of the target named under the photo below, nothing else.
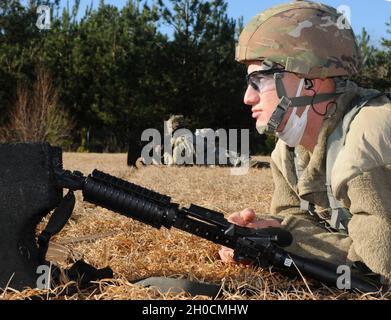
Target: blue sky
(369, 14)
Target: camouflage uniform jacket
(361, 179)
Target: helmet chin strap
(285, 102)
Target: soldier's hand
(246, 218)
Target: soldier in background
(182, 144)
(185, 144)
(179, 144)
(332, 164)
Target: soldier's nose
(251, 97)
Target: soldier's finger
(242, 218)
(248, 215)
(261, 224)
(236, 218)
(226, 255)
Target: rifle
(263, 247)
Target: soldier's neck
(314, 126)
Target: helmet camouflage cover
(307, 38)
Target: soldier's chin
(261, 128)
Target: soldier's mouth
(256, 112)
(255, 115)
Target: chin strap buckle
(278, 114)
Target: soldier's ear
(308, 84)
(321, 85)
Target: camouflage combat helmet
(307, 38)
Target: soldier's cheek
(269, 102)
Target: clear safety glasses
(263, 80)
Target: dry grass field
(135, 251)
